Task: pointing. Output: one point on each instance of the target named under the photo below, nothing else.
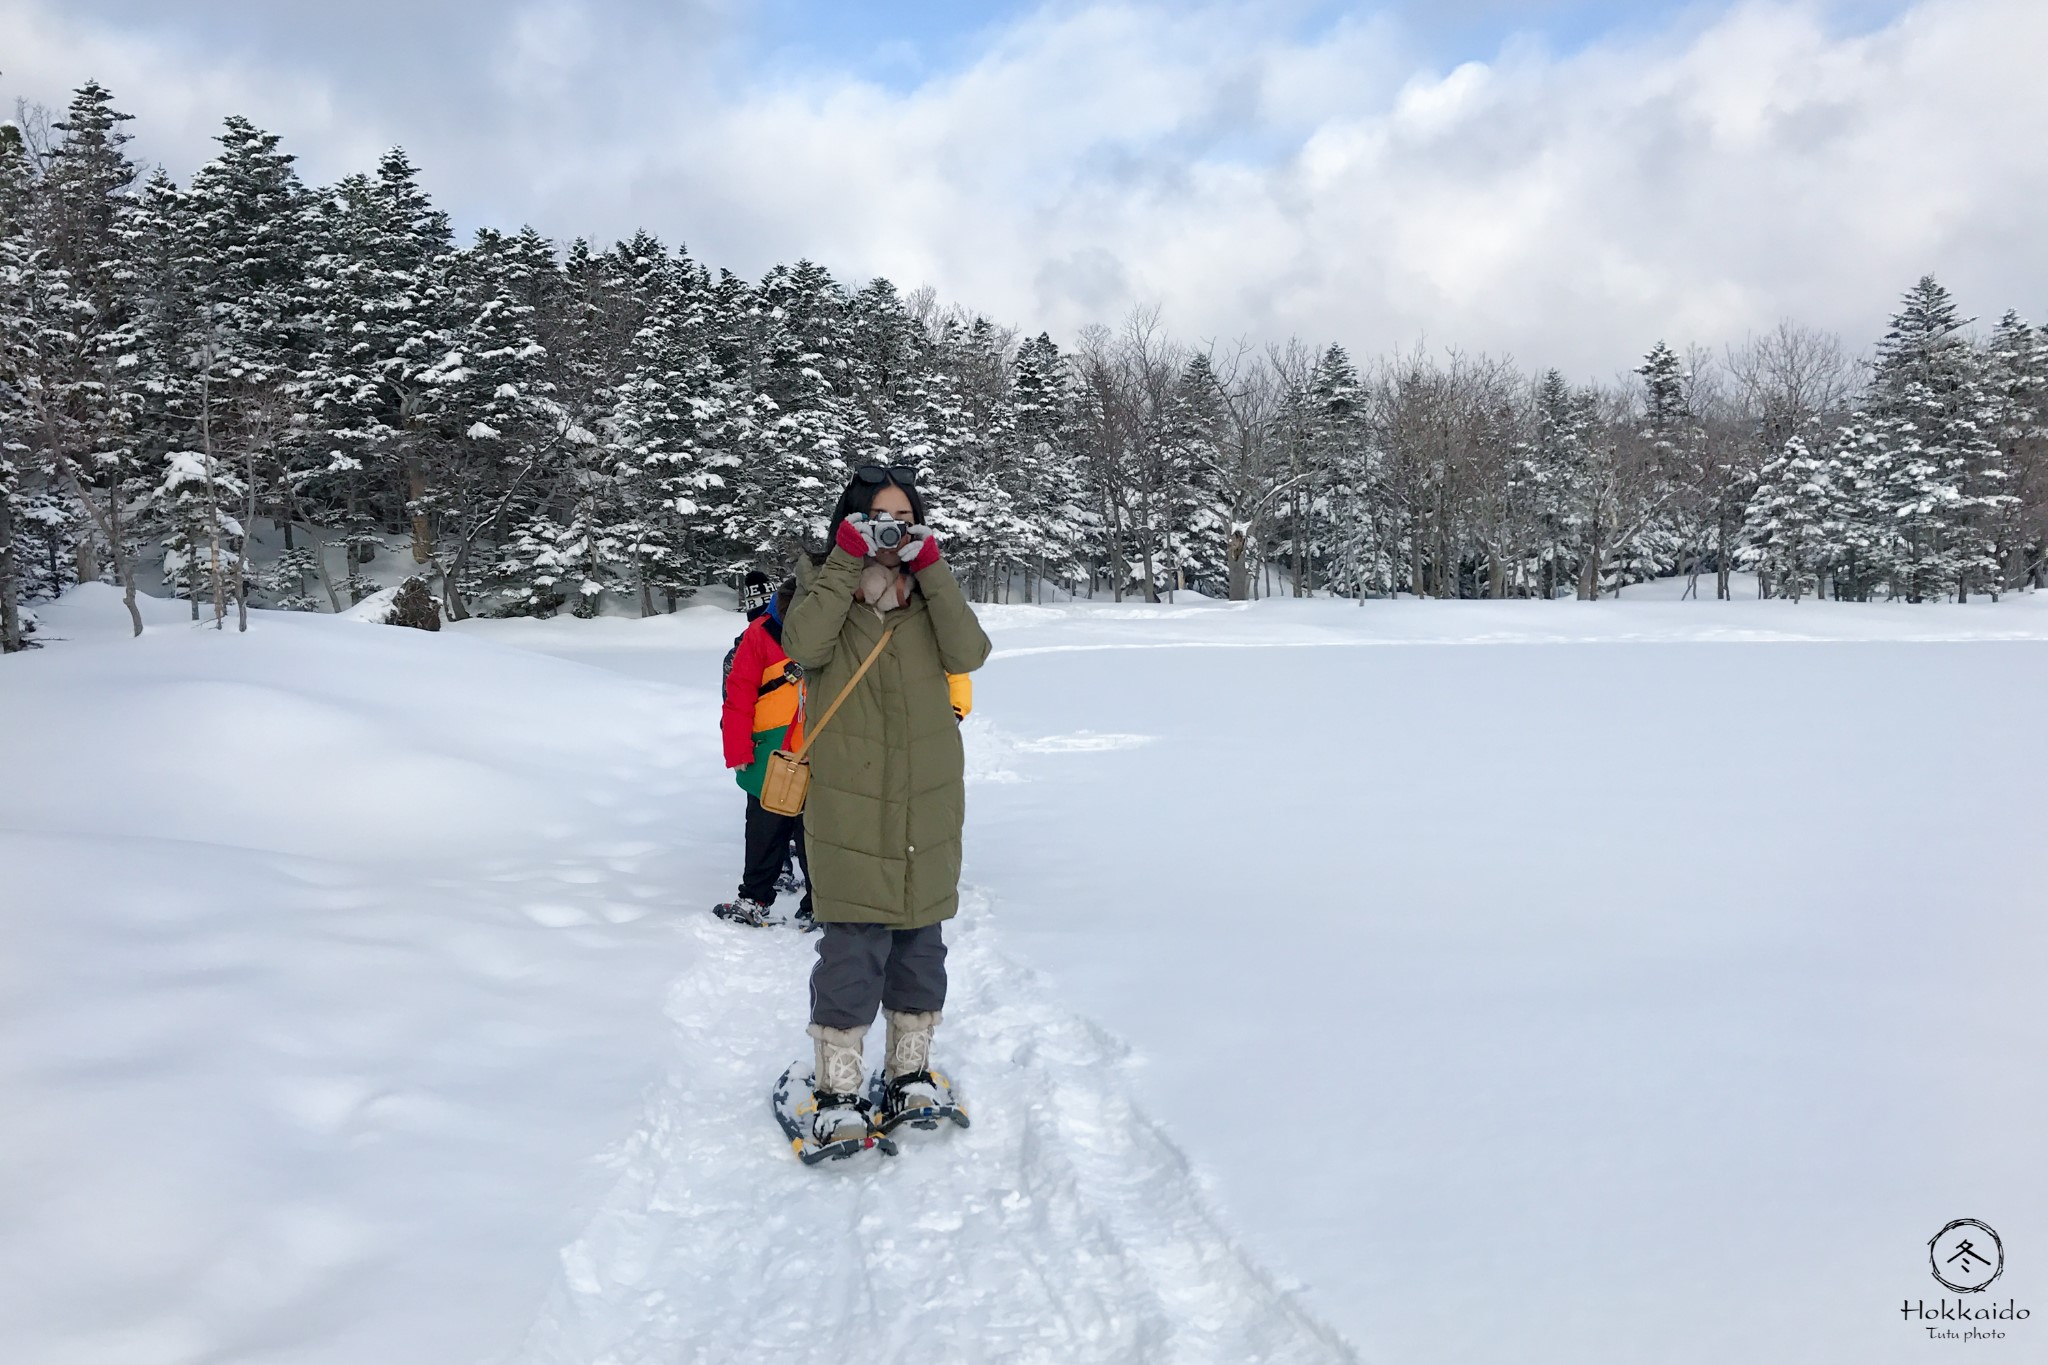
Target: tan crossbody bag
(788, 779)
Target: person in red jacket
(763, 712)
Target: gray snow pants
(862, 967)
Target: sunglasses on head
(903, 476)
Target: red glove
(921, 550)
(856, 537)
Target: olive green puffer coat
(888, 798)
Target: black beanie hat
(755, 593)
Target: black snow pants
(768, 837)
(862, 967)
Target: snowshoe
(811, 1128)
(791, 880)
(740, 910)
(918, 1099)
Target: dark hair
(859, 497)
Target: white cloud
(1692, 183)
(179, 94)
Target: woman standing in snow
(887, 796)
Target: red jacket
(763, 701)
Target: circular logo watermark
(1966, 1255)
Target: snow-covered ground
(1640, 980)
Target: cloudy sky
(1562, 180)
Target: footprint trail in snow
(1063, 1226)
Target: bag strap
(811, 736)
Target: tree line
(247, 390)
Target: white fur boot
(910, 1043)
(837, 1084)
(907, 1063)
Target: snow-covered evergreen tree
(653, 430)
(1560, 477)
(985, 440)
(886, 347)
(1933, 421)
(1790, 528)
(16, 363)
(2017, 378)
(199, 500)
(80, 397)
(509, 444)
(254, 320)
(157, 246)
(929, 428)
(806, 428)
(1362, 541)
(1862, 527)
(1337, 459)
(598, 535)
(1048, 495)
(379, 271)
(1671, 454)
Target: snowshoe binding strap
(897, 1084)
(923, 1111)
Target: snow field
(1062, 1226)
(1447, 981)
(363, 1006)
(1606, 999)
(334, 955)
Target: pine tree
(1054, 524)
(1347, 459)
(598, 534)
(986, 383)
(885, 347)
(1790, 522)
(1664, 407)
(380, 275)
(157, 248)
(807, 428)
(930, 429)
(651, 430)
(2017, 379)
(16, 362)
(1933, 422)
(1862, 527)
(198, 497)
(506, 453)
(249, 244)
(1191, 501)
(78, 381)
(87, 193)
(1674, 445)
(1295, 428)
(700, 419)
(1558, 471)
(586, 355)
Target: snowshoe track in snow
(1063, 1226)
